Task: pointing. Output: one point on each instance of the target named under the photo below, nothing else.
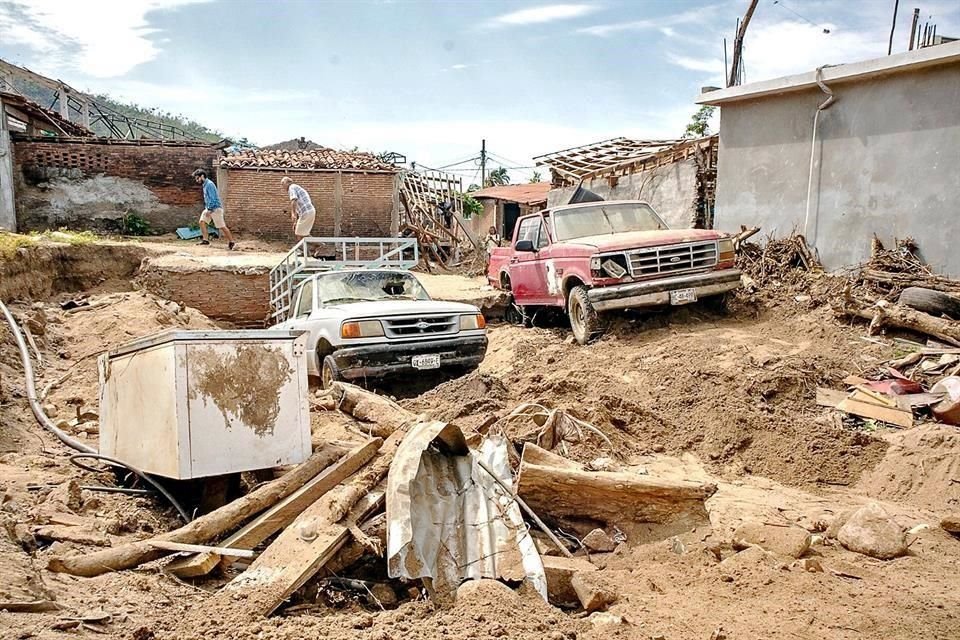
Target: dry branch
(885, 314)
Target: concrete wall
(670, 189)
(8, 213)
(886, 162)
(489, 218)
(348, 203)
(93, 185)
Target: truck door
(528, 269)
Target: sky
(430, 80)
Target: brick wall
(254, 202)
(91, 185)
(237, 295)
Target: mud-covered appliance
(191, 404)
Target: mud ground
(686, 394)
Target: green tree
(497, 177)
(535, 177)
(700, 122)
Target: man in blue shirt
(212, 209)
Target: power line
(804, 18)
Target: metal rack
(313, 255)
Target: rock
(602, 618)
(834, 527)
(598, 540)
(872, 532)
(951, 524)
(559, 572)
(50, 409)
(67, 494)
(592, 595)
(785, 541)
(485, 591)
(809, 564)
(385, 594)
(750, 557)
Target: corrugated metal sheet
(449, 520)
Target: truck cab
(373, 323)
(595, 257)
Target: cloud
(460, 67)
(103, 41)
(708, 65)
(542, 14)
(663, 23)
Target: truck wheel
(929, 301)
(329, 372)
(584, 319)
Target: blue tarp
(186, 233)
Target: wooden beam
(200, 548)
(279, 515)
(889, 415)
(204, 528)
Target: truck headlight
(472, 322)
(361, 329)
(725, 251)
(595, 263)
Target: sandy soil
(688, 394)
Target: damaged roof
(616, 156)
(15, 102)
(529, 194)
(320, 158)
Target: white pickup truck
(373, 323)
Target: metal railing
(313, 255)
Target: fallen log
(203, 529)
(559, 488)
(903, 280)
(385, 415)
(886, 314)
(279, 515)
(302, 549)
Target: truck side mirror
(524, 245)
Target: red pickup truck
(595, 257)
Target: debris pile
(776, 260)
(890, 271)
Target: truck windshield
(601, 219)
(367, 286)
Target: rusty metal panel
(448, 520)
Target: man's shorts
(305, 224)
(216, 215)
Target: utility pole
(483, 163)
(893, 27)
(913, 27)
(735, 64)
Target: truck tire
(584, 319)
(329, 372)
(936, 303)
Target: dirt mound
(921, 467)
(739, 393)
(72, 340)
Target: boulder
(872, 531)
(598, 540)
(951, 524)
(593, 595)
(787, 540)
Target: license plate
(428, 361)
(683, 296)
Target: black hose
(116, 463)
(86, 451)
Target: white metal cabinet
(190, 404)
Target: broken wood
(201, 548)
(72, 533)
(742, 237)
(373, 530)
(305, 546)
(385, 415)
(204, 528)
(885, 314)
(33, 606)
(889, 415)
(830, 397)
(279, 515)
(559, 572)
(558, 487)
(903, 280)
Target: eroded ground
(687, 394)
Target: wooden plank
(852, 381)
(830, 397)
(865, 394)
(876, 412)
(200, 548)
(279, 515)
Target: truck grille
(420, 326)
(669, 259)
